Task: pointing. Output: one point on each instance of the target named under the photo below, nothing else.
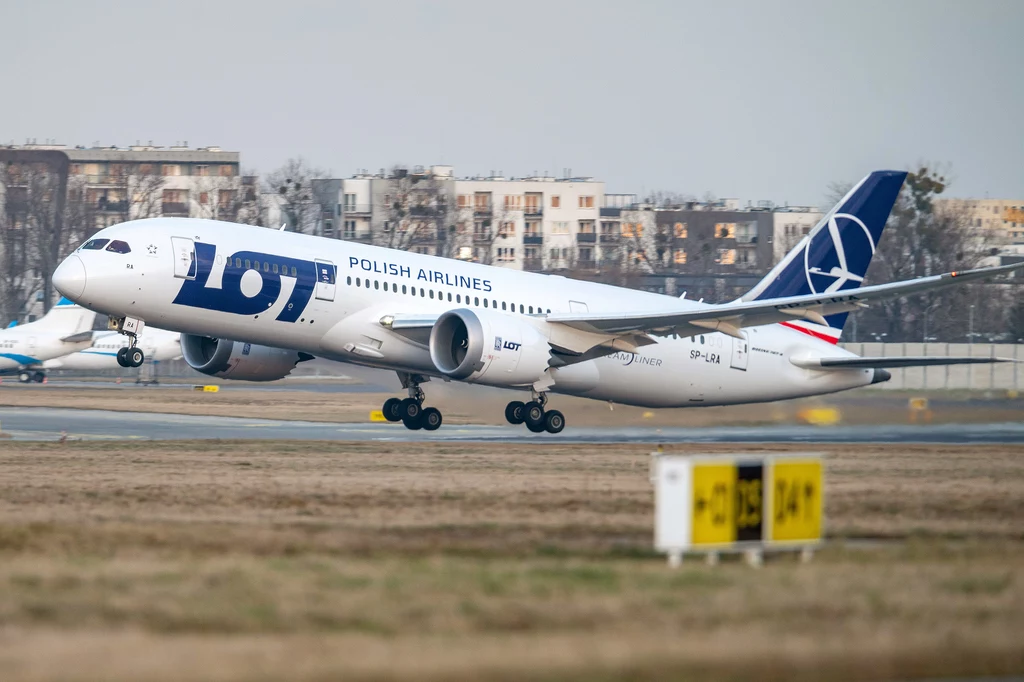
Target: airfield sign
(737, 502)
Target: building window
(725, 230)
(171, 170)
(633, 230)
(202, 171)
(227, 171)
(513, 202)
(560, 227)
(464, 201)
(204, 198)
(556, 201)
(586, 202)
(586, 226)
(680, 231)
(507, 229)
(679, 256)
(482, 201)
(726, 257)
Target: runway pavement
(41, 423)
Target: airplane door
(326, 272)
(578, 307)
(184, 251)
(740, 351)
(31, 344)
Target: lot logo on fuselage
(232, 297)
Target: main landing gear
(132, 355)
(410, 411)
(533, 414)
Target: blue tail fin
(836, 254)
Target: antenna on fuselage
(683, 296)
(281, 229)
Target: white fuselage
(240, 267)
(158, 345)
(30, 345)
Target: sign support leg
(675, 559)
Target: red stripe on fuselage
(811, 332)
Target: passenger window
(359, 282)
(485, 302)
(385, 286)
(255, 265)
(348, 281)
(458, 298)
(494, 304)
(521, 308)
(403, 288)
(275, 268)
(367, 282)
(412, 290)
(476, 300)
(531, 310)
(248, 264)
(376, 284)
(502, 305)
(118, 246)
(422, 293)
(294, 274)
(449, 297)
(431, 293)
(702, 339)
(238, 262)
(94, 244)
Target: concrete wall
(995, 376)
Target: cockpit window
(94, 244)
(118, 246)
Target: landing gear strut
(410, 411)
(533, 414)
(132, 355)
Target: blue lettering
(229, 297)
(464, 282)
(365, 264)
(422, 275)
(404, 271)
(476, 283)
(487, 285)
(353, 261)
(438, 276)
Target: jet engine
(486, 347)
(237, 360)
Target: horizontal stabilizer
(891, 362)
(78, 338)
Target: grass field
(315, 561)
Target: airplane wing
(729, 318)
(848, 362)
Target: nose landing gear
(132, 355)
(410, 411)
(533, 414)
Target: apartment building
(1001, 220)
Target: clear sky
(761, 99)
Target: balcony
(609, 238)
(359, 237)
(353, 209)
(175, 208)
(586, 237)
(533, 238)
(112, 206)
(482, 209)
(482, 238)
(533, 264)
(533, 211)
(586, 264)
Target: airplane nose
(69, 277)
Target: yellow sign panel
(714, 509)
(797, 503)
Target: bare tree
(293, 185)
(416, 209)
(17, 282)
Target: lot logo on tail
(839, 252)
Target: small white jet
(228, 287)
(158, 345)
(25, 348)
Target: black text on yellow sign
(797, 502)
(727, 503)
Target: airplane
(158, 345)
(25, 348)
(251, 304)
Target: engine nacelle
(486, 347)
(237, 360)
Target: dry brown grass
(270, 560)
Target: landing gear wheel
(533, 415)
(413, 423)
(554, 421)
(38, 377)
(135, 357)
(25, 377)
(514, 412)
(409, 409)
(390, 409)
(122, 358)
(430, 419)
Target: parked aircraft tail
(67, 317)
(834, 256)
